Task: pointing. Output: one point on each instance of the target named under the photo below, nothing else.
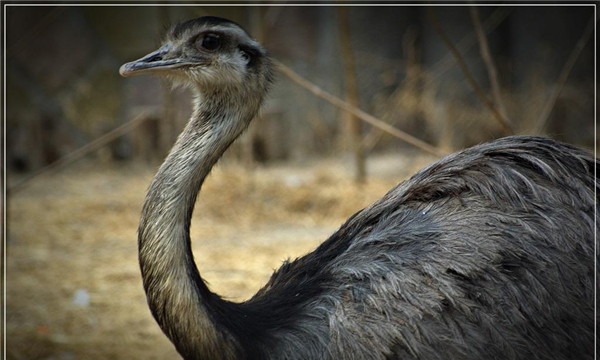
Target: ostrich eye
(246, 57)
(211, 42)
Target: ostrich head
(208, 54)
(229, 73)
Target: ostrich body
(486, 254)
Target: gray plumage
(485, 254)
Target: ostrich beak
(157, 61)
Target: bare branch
(33, 32)
(467, 42)
(562, 78)
(408, 85)
(463, 65)
(489, 63)
(353, 137)
(440, 67)
(317, 91)
(81, 152)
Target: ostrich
(486, 254)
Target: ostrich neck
(178, 297)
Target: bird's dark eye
(211, 42)
(246, 57)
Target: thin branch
(467, 73)
(81, 152)
(467, 42)
(317, 91)
(408, 84)
(33, 32)
(489, 63)
(562, 78)
(354, 131)
(439, 68)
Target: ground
(73, 285)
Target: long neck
(178, 297)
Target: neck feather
(178, 297)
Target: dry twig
(317, 91)
(354, 131)
(465, 44)
(440, 67)
(33, 32)
(81, 152)
(489, 63)
(562, 78)
(469, 77)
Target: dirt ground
(73, 284)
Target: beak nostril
(159, 60)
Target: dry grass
(77, 231)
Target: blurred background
(83, 143)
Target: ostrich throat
(172, 282)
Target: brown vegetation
(76, 230)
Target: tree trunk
(353, 136)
